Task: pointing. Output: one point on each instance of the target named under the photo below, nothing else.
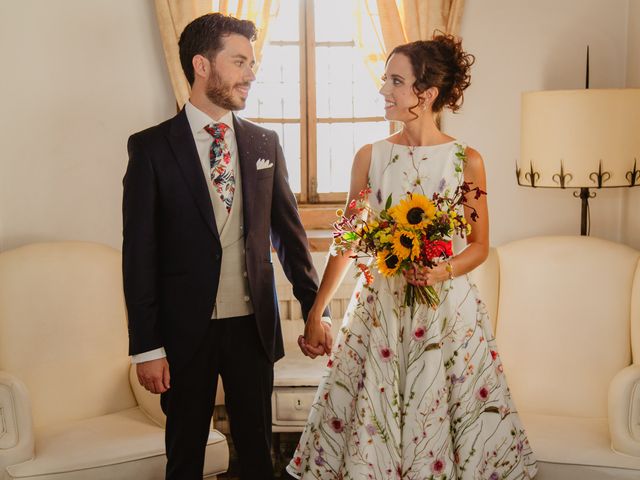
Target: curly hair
(439, 62)
(203, 36)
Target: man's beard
(221, 93)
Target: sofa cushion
(123, 445)
(576, 441)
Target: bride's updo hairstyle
(439, 63)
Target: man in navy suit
(205, 196)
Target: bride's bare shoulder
(363, 155)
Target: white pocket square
(261, 164)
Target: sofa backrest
(63, 329)
(564, 321)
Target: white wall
(77, 79)
(631, 205)
(522, 46)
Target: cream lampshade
(580, 139)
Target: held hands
(317, 339)
(426, 276)
(154, 375)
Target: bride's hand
(422, 276)
(313, 342)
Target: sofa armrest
(624, 411)
(148, 402)
(17, 439)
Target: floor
(281, 457)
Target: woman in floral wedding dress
(413, 392)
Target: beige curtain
(385, 24)
(174, 15)
(260, 12)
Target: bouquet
(417, 231)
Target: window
(314, 89)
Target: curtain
(174, 15)
(382, 25)
(260, 12)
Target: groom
(205, 195)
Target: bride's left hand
(422, 276)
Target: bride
(414, 392)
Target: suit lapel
(186, 154)
(247, 161)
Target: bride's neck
(422, 131)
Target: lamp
(580, 139)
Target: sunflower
(416, 211)
(388, 263)
(406, 244)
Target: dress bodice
(400, 169)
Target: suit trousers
(232, 349)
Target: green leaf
(432, 346)
(349, 236)
(492, 410)
(388, 204)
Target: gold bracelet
(449, 268)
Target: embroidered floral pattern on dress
(414, 393)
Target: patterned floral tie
(222, 174)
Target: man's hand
(324, 345)
(154, 375)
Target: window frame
(309, 195)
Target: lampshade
(586, 138)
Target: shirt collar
(198, 119)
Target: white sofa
(70, 404)
(566, 313)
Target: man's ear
(201, 66)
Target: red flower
(337, 425)
(437, 467)
(297, 461)
(330, 363)
(418, 333)
(386, 353)
(437, 248)
(482, 394)
(368, 276)
(364, 193)
(494, 354)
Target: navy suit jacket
(171, 248)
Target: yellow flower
(339, 212)
(406, 244)
(387, 262)
(384, 236)
(417, 211)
